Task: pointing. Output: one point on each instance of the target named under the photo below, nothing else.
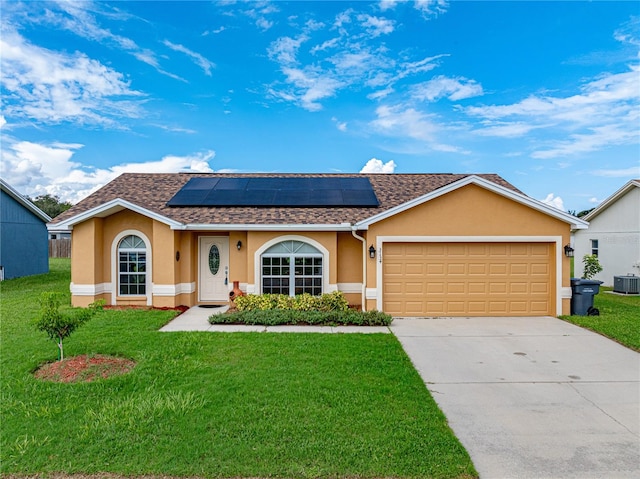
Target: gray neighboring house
(24, 244)
(613, 235)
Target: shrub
(591, 266)
(275, 317)
(304, 302)
(59, 325)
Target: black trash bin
(582, 293)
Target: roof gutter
(262, 227)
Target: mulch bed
(84, 368)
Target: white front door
(214, 268)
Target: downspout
(364, 268)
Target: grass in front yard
(215, 404)
(619, 318)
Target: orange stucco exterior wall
(468, 211)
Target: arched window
(292, 267)
(132, 266)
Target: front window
(132, 266)
(594, 247)
(292, 267)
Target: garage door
(467, 279)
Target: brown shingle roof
(152, 191)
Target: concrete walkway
(197, 319)
(531, 397)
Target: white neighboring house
(613, 235)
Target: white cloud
(377, 166)
(387, 4)
(554, 201)
(53, 87)
(314, 25)
(264, 24)
(325, 45)
(351, 60)
(452, 88)
(285, 49)
(2, 121)
(605, 112)
(376, 26)
(340, 125)
(343, 18)
(431, 8)
(506, 130)
(378, 95)
(36, 169)
(201, 61)
(632, 172)
(260, 13)
(310, 87)
(80, 18)
(405, 122)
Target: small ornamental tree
(59, 325)
(591, 266)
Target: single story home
(24, 247)
(406, 244)
(613, 235)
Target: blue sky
(546, 94)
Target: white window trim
(381, 240)
(115, 269)
(257, 260)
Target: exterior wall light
(372, 252)
(568, 251)
(239, 245)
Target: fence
(60, 248)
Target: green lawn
(619, 318)
(215, 404)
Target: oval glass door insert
(214, 260)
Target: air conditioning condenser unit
(629, 284)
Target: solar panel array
(292, 192)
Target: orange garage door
(467, 279)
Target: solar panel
(292, 192)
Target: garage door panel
(435, 288)
(455, 249)
(518, 269)
(478, 307)
(541, 288)
(539, 268)
(498, 250)
(497, 269)
(497, 288)
(415, 268)
(468, 279)
(435, 269)
(415, 288)
(539, 307)
(479, 249)
(497, 307)
(456, 268)
(477, 288)
(518, 306)
(541, 249)
(434, 250)
(477, 268)
(455, 288)
(518, 288)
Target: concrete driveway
(531, 397)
